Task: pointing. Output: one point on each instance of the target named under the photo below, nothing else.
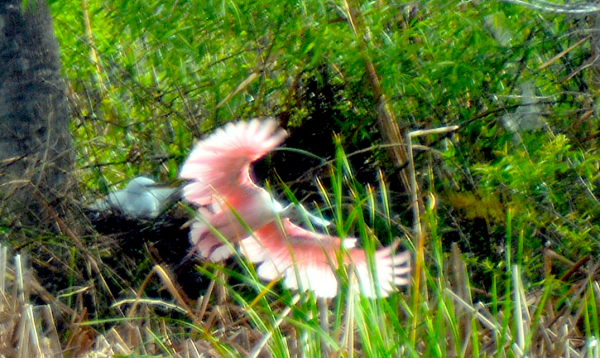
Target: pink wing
(204, 242)
(316, 257)
(220, 164)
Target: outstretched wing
(220, 164)
(308, 260)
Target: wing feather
(220, 164)
(308, 261)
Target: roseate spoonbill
(234, 208)
(141, 198)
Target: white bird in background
(141, 198)
(219, 170)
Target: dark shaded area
(319, 108)
(328, 108)
(145, 243)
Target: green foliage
(164, 67)
(548, 186)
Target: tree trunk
(35, 142)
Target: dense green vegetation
(509, 200)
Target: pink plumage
(220, 164)
(307, 260)
(221, 185)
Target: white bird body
(219, 167)
(141, 198)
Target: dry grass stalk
(549, 333)
(26, 330)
